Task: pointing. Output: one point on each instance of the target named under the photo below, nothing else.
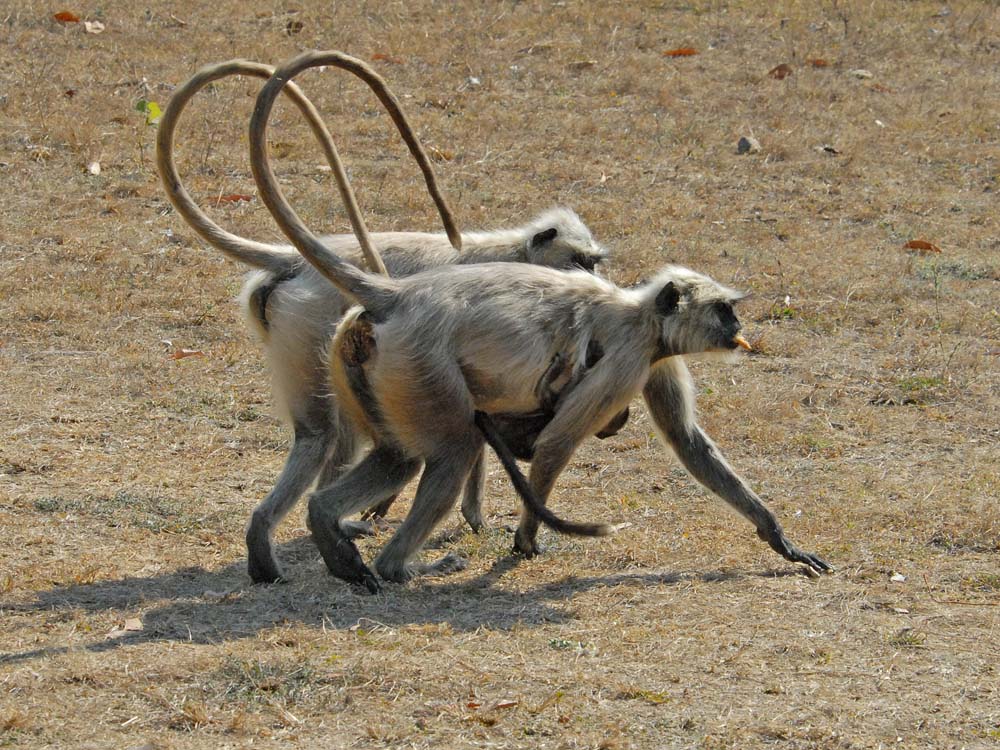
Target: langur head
(558, 238)
(696, 314)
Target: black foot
(526, 548)
(261, 563)
(265, 573)
(341, 556)
(780, 544)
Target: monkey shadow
(196, 605)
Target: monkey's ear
(667, 299)
(545, 236)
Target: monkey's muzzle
(742, 343)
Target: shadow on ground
(211, 606)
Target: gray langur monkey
(451, 345)
(294, 310)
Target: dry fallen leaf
(440, 154)
(780, 72)
(65, 16)
(922, 246)
(506, 704)
(131, 625)
(382, 57)
(681, 52)
(185, 353)
(818, 62)
(233, 198)
(293, 27)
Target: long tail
(274, 258)
(374, 294)
(550, 519)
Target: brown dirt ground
(868, 418)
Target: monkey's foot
(342, 557)
(369, 527)
(450, 563)
(526, 548)
(262, 565)
(393, 571)
(780, 544)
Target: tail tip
(609, 529)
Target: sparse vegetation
(126, 476)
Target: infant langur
(294, 311)
(455, 341)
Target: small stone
(860, 73)
(748, 145)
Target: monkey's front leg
(599, 400)
(472, 498)
(549, 461)
(668, 395)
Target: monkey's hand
(777, 541)
(526, 548)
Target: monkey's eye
(725, 312)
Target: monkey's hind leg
(381, 473)
(301, 467)
(437, 492)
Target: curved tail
(274, 258)
(372, 293)
(531, 501)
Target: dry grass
(868, 419)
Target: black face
(729, 324)
(586, 262)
